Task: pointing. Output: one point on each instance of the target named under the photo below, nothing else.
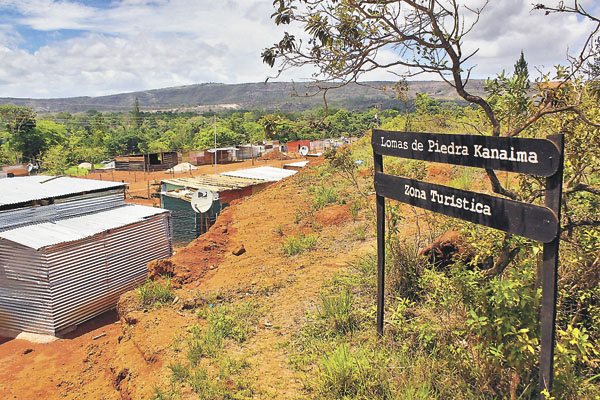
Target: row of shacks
(176, 195)
(222, 155)
(161, 161)
(69, 248)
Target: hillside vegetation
(452, 331)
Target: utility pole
(215, 120)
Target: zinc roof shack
(66, 261)
(215, 182)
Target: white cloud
(138, 44)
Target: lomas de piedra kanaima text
(476, 150)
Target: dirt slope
(132, 358)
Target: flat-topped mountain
(286, 96)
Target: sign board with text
(540, 157)
(523, 219)
(528, 156)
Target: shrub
(405, 268)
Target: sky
(67, 48)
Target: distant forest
(59, 140)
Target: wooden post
(378, 166)
(550, 278)
(148, 182)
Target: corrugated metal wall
(67, 284)
(187, 224)
(89, 279)
(185, 220)
(25, 299)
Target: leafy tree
(522, 71)
(20, 123)
(341, 40)
(270, 125)
(426, 105)
(54, 160)
(136, 115)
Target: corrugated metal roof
(222, 149)
(297, 164)
(270, 174)
(214, 182)
(28, 188)
(46, 234)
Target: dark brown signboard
(534, 222)
(522, 155)
(542, 157)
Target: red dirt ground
(132, 358)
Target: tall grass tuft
(179, 372)
(324, 195)
(155, 292)
(338, 311)
(298, 244)
(352, 375)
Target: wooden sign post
(541, 157)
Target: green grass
(346, 374)
(75, 171)
(179, 372)
(466, 178)
(338, 311)
(156, 293)
(209, 371)
(298, 244)
(223, 322)
(324, 195)
(355, 208)
(360, 231)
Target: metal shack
(176, 194)
(147, 162)
(248, 151)
(69, 248)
